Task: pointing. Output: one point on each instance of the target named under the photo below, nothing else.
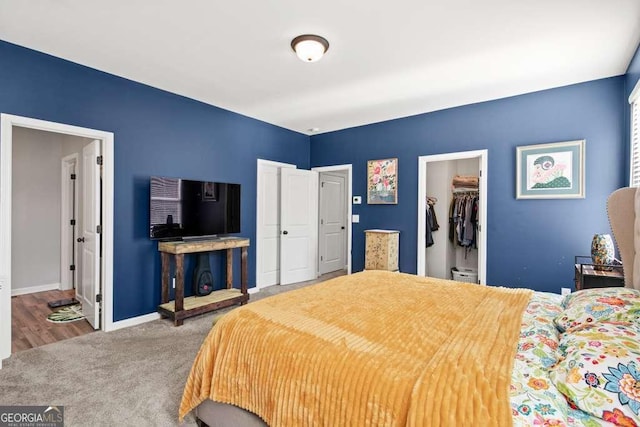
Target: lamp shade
(309, 47)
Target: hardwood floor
(30, 327)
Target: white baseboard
(254, 290)
(34, 289)
(133, 321)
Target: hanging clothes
(474, 221)
(432, 221)
(463, 219)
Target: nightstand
(587, 275)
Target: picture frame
(209, 191)
(551, 171)
(382, 181)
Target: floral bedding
(600, 372)
(535, 400)
(591, 306)
(578, 360)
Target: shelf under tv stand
(182, 308)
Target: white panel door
(89, 286)
(269, 224)
(332, 233)
(299, 225)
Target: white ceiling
(386, 59)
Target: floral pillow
(600, 373)
(589, 306)
(575, 297)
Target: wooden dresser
(381, 249)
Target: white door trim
(259, 231)
(7, 122)
(69, 163)
(422, 206)
(349, 169)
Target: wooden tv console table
(182, 308)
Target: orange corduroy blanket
(373, 348)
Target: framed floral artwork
(550, 171)
(382, 182)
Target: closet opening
(452, 207)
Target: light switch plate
(565, 291)
(357, 200)
(355, 218)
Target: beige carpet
(130, 377)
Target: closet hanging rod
(465, 190)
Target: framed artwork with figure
(382, 182)
(550, 171)
(209, 191)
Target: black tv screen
(182, 208)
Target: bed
(391, 349)
(439, 353)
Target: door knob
(342, 227)
(80, 239)
(285, 232)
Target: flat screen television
(183, 209)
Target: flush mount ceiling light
(309, 47)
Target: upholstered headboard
(623, 208)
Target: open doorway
(334, 214)
(440, 253)
(32, 259)
(47, 181)
(69, 221)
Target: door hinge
(480, 172)
(72, 267)
(321, 221)
(99, 298)
(479, 227)
(99, 229)
(73, 176)
(321, 258)
(322, 185)
(72, 222)
(99, 160)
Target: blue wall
(530, 243)
(156, 133)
